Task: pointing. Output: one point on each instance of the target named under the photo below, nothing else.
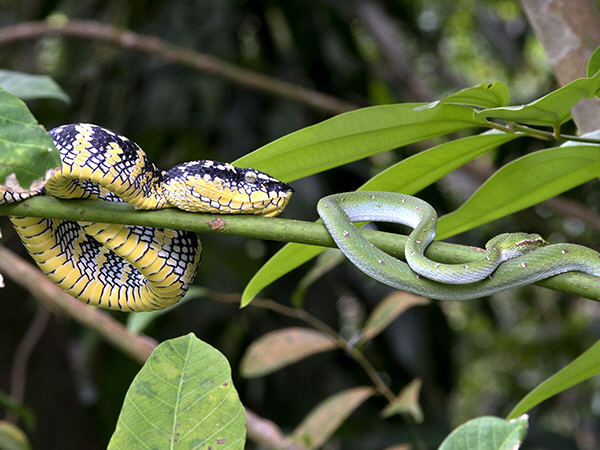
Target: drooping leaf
(12, 437)
(282, 347)
(29, 87)
(523, 183)
(183, 397)
(551, 110)
(27, 152)
(487, 433)
(387, 310)
(580, 369)
(318, 426)
(407, 402)
(289, 257)
(355, 135)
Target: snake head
(511, 245)
(211, 186)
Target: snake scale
(140, 268)
(127, 267)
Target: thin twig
(92, 30)
(18, 373)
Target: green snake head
(211, 186)
(511, 245)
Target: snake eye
(250, 177)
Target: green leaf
(183, 397)
(551, 110)
(139, 321)
(594, 62)
(283, 347)
(289, 257)
(408, 176)
(28, 87)
(26, 150)
(522, 183)
(12, 437)
(327, 416)
(487, 433)
(415, 173)
(355, 135)
(387, 310)
(484, 95)
(407, 402)
(23, 412)
(326, 261)
(580, 369)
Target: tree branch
(92, 30)
(271, 228)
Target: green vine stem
(276, 229)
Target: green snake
(127, 267)
(510, 260)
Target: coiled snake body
(514, 258)
(129, 267)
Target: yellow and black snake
(128, 267)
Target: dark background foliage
(475, 358)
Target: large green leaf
(522, 183)
(26, 150)
(355, 135)
(551, 110)
(183, 397)
(408, 176)
(423, 169)
(28, 87)
(487, 433)
(582, 368)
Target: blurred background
(475, 358)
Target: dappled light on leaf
(182, 397)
